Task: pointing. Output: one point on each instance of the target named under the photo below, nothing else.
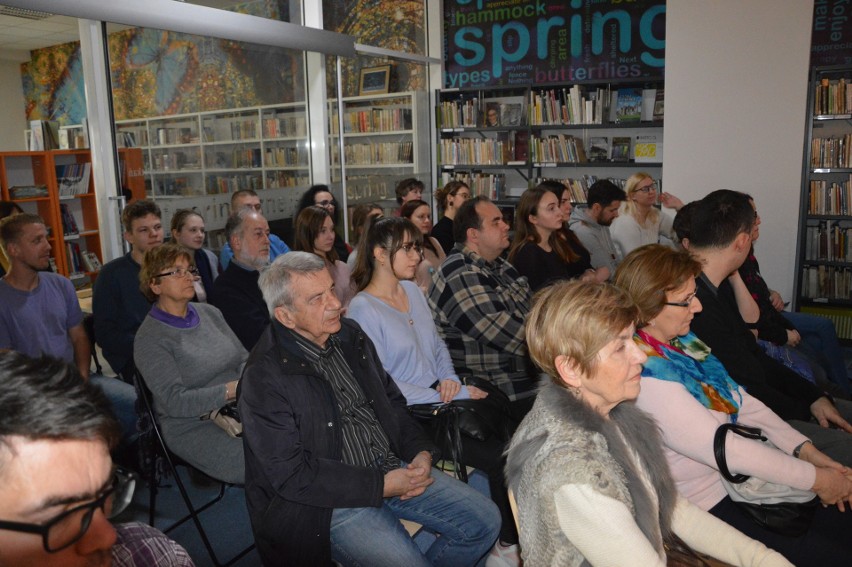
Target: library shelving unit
(824, 283)
(209, 153)
(385, 140)
(502, 140)
(57, 185)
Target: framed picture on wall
(375, 80)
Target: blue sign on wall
(505, 42)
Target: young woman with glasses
(639, 221)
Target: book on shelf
(659, 105)
(648, 149)
(628, 105)
(73, 178)
(69, 225)
(464, 112)
(620, 150)
(832, 97)
(28, 191)
(598, 149)
(45, 135)
(571, 105)
(90, 261)
(511, 113)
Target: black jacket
(240, 300)
(291, 430)
(722, 328)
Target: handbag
(228, 418)
(779, 508)
(790, 358)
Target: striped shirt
(365, 443)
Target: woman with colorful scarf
(689, 393)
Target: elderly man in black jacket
(333, 460)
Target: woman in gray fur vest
(587, 470)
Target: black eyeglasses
(685, 303)
(70, 526)
(180, 273)
(326, 203)
(409, 246)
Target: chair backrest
(89, 327)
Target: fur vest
(564, 441)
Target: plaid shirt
(480, 308)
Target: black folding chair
(158, 461)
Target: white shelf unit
(385, 139)
(218, 152)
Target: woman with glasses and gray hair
(639, 222)
(191, 361)
(690, 394)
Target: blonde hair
(647, 273)
(576, 319)
(628, 207)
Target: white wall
(12, 110)
(736, 97)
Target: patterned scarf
(688, 361)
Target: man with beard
(591, 224)
(235, 292)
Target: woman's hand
(669, 201)
(793, 337)
(476, 393)
(588, 276)
(448, 390)
(602, 274)
(827, 415)
(231, 390)
(776, 300)
(814, 456)
(832, 487)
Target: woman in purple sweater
(689, 393)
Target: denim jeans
(819, 341)
(467, 523)
(122, 398)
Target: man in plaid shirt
(480, 303)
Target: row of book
(491, 185)
(378, 119)
(831, 152)
(832, 97)
(826, 282)
(179, 161)
(231, 183)
(568, 106)
(235, 159)
(479, 151)
(276, 179)
(462, 113)
(830, 197)
(285, 125)
(73, 179)
(80, 261)
(376, 153)
(559, 148)
(170, 136)
(69, 223)
(173, 186)
(227, 131)
(28, 191)
(828, 241)
(286, 157)
(132, 138)
(579, 186)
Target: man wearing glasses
(58, 486)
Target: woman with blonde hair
(690, 394)
(540, 251)
(450, 197)
(314, 233)
(587, 470)
(639, 222)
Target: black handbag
(778, 508)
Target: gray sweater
(186, 371)
(597, 240)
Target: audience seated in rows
(586, 468)
(592, 224)
(247, 198)
(40, 313)
(720, 238)
(117, 304)
(58, 485)
(333, 459)
(449, 198)
(480, 302)
(314, 233)
(320, 196)
(431, 255)
(188, 231)
(191, 361)
(639, 222)
(393, 312)
(688, 392)
(235, 292)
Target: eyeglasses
(685, 303)
(326, 203)
(409, 246)
(180, 273)
(70, 526)
(647, 188)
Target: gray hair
(276, 280)
(236, 221)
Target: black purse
(778, 508)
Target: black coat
(291, 430)
(240, 300)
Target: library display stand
(503, 140)
(824, 285)
(57, 185)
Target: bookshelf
(824, 282)
(384, 141)
(503, 140)
(57, 185)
